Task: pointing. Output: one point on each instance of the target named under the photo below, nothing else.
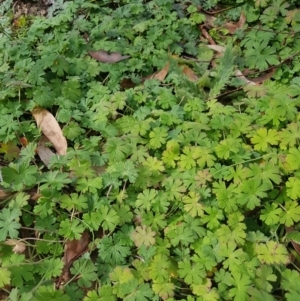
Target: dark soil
(30, 7)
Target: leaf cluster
(186, 194)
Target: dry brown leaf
(34, 194)
(217, 48)
(51, 129)
(23, 141)
(73, 249)
(242, 21)
(207, 36)
(105, 57)
(159, 75)
(18, 246)
(240, 75)
(231, 27)
(295, 245)
(189, 73)
(264, 77)
(209, 20)
(127, 84)
(4, 194)
(44, 152)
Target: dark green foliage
(187, 190)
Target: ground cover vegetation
(150, 151)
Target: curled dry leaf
(207, 36)
(209, 20)
(18, 246)
(4, 194)
(159, 75)
(264, 76)
(44, 152)
(105, 57)
(217, 48)
(34, 194)
(240, 75)
(242, 21)
(51, 129)
(23, 141)
(231, 27)
(127, 84)
(294, 243)
(73, 249)
(189, 73)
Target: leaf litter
(51, 129)
(106, 57)
(73, 250)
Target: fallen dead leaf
(105, 57)
(51, 129)
(207, 36)
(44, 152)
(264, 77)
(18, 246)
(4, 194)
(23, 141)
(189, 73)
(73, 249)
(241, 76)
(242, 21)
(127, 84)
(209, 20)
(295, 244)
(159, 75)
(217, 48)
(231, 27)
(34, 194)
